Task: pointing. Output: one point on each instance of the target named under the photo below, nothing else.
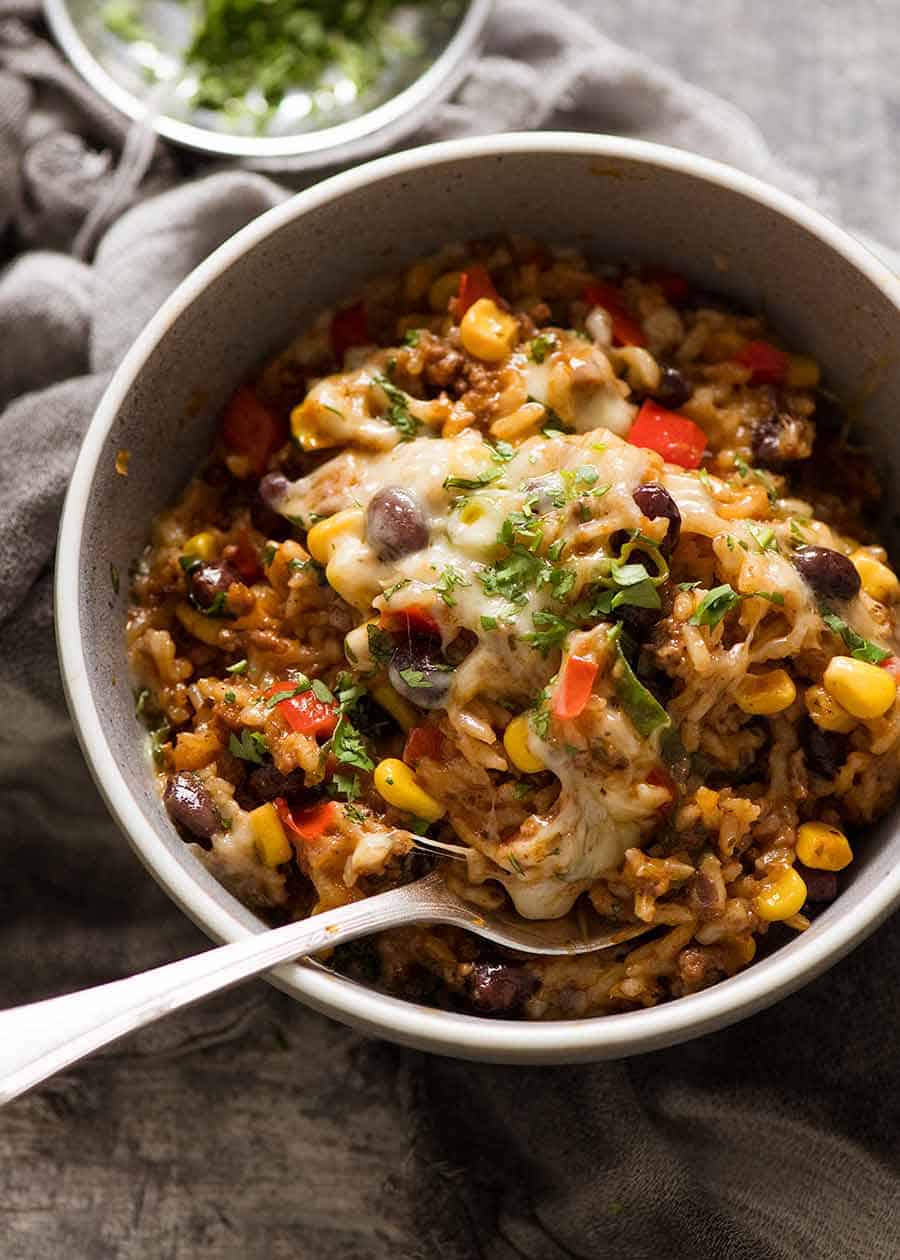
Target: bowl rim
(377, 128)
(467, 1036)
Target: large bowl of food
(519, 506)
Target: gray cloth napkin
(251, 1127)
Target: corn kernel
(862, 689)
(206, 629)
(272, 844)
(397, 784)
(802, 371)
(324, 534)
(202, 545)
(471, 513)
(399, 708)
(442, 290)
(515, 741)
(823, 848)
(826, 712)
(781, 898)
(877, 579)
(764, 694)
(487, 332)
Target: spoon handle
(43, 1038)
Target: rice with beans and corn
(559, 575)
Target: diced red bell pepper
(310, 823)
(474, 284)
(574, 687)
(675, 437)
(676, 289)
(423, 741)
(411, 620)
(349, 327)
(250, 428)
(626, 331)
(305, 712)
(660, 777)
(767, 364)
(245, 558)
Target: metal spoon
(43, 1038)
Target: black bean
(264, 783)
(546, 492)
(639, 622)
(779, 439)
(673, 390)
(268, 521)
(210, 581)
(828, 572)
(419, 674)
(655, 502)
(395, 524)
(501, 988)
(189, 804)
(826, 751)
(820, 885)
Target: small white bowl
(618, 198)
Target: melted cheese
(598, 815)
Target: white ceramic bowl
(618, 198)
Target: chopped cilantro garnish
(472, 483)
(158, 738)
(270, 551)
(774, 597)
(862, 649)
(294, 687)
(321, 692)
(398, 413)
(797, 532)
(230, 697)
(348, 745)
(250, 747)
(392, 590)
(414, 678)
(502, 452)
(715, 605)
(218, 608)
(541, 346)
(239, 667)
(763, 536)
(381, 645)
(190, 563)
(309, 566)
(450, 579)
(550, 631)
(411, 336)
(540, 716)
(521, 789)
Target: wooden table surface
(253, 1129)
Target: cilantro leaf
(398, 413)
(860, 648)
(450, 578)
(348, 745)
(716, 604)
(250, 747)
(381, 645)
(541, 346)
(502, 452)
(549, 632)
(411, 336)
(472, 483)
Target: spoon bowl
(41, 1039)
